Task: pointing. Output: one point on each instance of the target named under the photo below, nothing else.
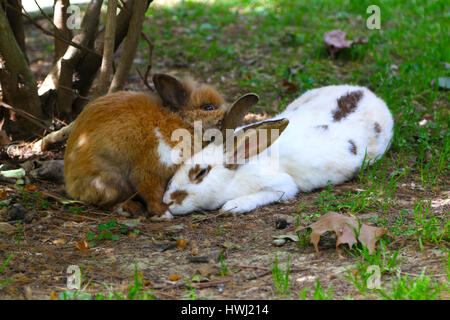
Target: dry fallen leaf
(3, 193)
(290, 87)
(181, 243)
(344, 227)
(174, 277)
(31, 188)
(53, 296)
(59, 242)
(82, 245)
(335, 41)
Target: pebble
(281, 223)
(16, 212)
(198, 259)
(279, 242)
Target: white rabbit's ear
(238, 110)
(173, 93)
(252, 140)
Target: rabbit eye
(196, 174)
(200, 174)
(209, 107)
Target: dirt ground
(44, 249)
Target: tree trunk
(72, 57)
(108, 49)
(130, 46)
(89, 64)
(60, 21)
(17, 80)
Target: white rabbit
(328, 132)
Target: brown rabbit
(119, 144)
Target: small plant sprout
(280, 278)
(223, 265)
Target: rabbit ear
(252, 140)
(238, 110)
(171, 90)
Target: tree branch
(73, 55)
(17, 80)
(130, 46)
(25, 115)
(108, 49)
(149, 64)
(49, 33)
(60, 24)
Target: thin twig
(149, 64)
(74, 91)
(221, 213)
(194, 285)
(259, 275)
(25, 115)
(267, 268)
(45, 15)
(49, 33)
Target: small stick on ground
(53, 138)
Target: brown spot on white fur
(193, 172)
(178, 196)
(377, 127)
(347, 104)
(323, 127)
(353, 148)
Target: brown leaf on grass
(3, 193)
(344, 227)
(335, 41)
(290, 87)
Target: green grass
(106, 231)
(430, 228)
(2, 267)
(136, 291)
(319, 292)
(409, 288)
(223, 265)
(280, 277)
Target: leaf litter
(348, 231)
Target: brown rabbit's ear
(171, 90)
(238, 110)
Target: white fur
(167, 155)
(309, 155)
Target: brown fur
(202, 95)
(347, 104)
(377, 127)
(178, 196)
(353, 148)
(112, 150)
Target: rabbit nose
(166, 199)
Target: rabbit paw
(238, 205)
(130, 208)
(167, 216)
